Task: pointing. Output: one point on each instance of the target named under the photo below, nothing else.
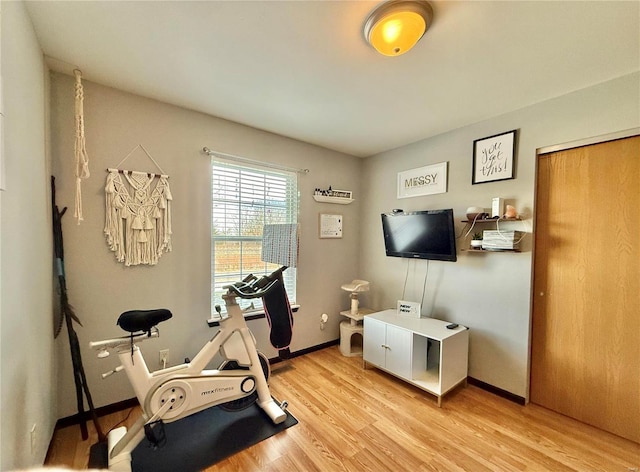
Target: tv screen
(428, 234)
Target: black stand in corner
(69, 316)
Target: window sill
(251, 315)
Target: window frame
(235, 188)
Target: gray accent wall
(489, 293)
(101, 288)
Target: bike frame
(173, 393)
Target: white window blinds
(244, 199)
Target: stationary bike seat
(142, 320)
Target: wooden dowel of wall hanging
(149, 174)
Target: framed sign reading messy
(493, 158)
(427, 180)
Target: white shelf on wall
(339, 200)
(484, 251)
(492, 220)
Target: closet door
(585, 358)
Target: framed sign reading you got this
(493, 158)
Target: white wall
(490, 293)
(26, 329)
(101, 288)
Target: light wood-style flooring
(351, 419)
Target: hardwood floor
(351, 419)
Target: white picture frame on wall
(330, 226)
(427, 180)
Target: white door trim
(589, 141)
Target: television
(428, 234)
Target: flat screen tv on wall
(428, 234)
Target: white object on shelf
(421, 351)
(501, 240)
(497, 207)
(407, 308)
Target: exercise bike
(172, 393)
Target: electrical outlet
(164, 357)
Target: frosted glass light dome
(394, 27)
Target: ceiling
(302, 69)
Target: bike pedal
(154, 432)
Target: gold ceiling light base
(395, 26)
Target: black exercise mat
(203, 439)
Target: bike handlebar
(253, 287)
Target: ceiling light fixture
(395, 26)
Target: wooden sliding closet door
(585, 358)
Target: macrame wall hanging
(80, 149)
(138, 214)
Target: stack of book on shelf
(501, 240)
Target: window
(245, 198)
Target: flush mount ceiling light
(396, 26)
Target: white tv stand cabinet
(399, 345)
